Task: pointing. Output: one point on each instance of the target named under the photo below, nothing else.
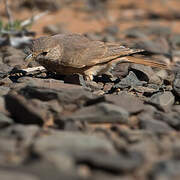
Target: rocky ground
(126, 127)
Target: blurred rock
(5, 121)
(100, 113)
(127, 102)
(7, 175)
(148, 123)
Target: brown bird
(76, 54)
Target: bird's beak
(29, 58)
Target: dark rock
(5, 121)
(64, 93)
(127, 102)
(100, 113)
(172, 118)
(53, 5)
(163, 100)
(129, 81)
(176, 84)
(145, 73)
(27, 111)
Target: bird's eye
(44, 53)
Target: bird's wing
(80, 52)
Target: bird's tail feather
(145, 62)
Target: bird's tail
(145, 62)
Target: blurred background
(115, 17)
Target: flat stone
(129, 81)
(121, 163)
(126, 101)
(145, 73)
(65, 94)
(27, 111)
(100, 113)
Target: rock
(71, 143)
(157, 46)
(168, 169)
(107, 87)
(172, 118)
(27, 111)
(129, 81)
(12, 175)
(25, 134)
(147, 90)
(5, 121)
(100, 113)
(113, 30)
(145, 73)
(163, 100)
(125, 101)
(121, 163)
(64, 93)
(4, 90)
(176, 84)
(148, 123)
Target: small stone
(163, 100)
(129, 81)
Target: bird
(68, 54)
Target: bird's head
(44, 48)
